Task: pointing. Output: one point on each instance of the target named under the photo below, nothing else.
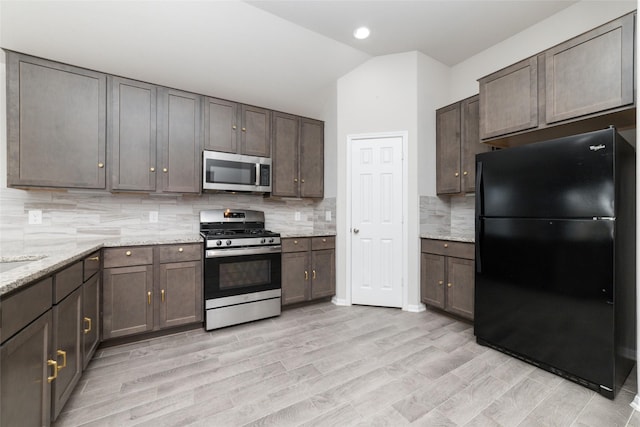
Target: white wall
(570, 22)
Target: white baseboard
(636, 403)
(414, 308)
(339, 301)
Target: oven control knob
(228, 242)
(219, 242)
(271, 240)
(263, 240)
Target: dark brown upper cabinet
(56, 124)
(583, 84)
(298, 156)
(457, 143)
(236, 128)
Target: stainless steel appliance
(235, 172)
(242, 267)
(555, 256)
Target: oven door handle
(219, 253)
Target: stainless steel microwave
(235, 172)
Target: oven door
(240, 271)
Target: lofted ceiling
(449, 31)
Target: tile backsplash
(448, 216)
(77, 215)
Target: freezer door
(569, 177)
(544, 290)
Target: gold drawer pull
(162, 295)
(234, 127)
(302, 181)
(152, 169)
(295, 242)
(314, 274)
(180, 250)
(165, 170)
(244, 129)
(64, 359)
(55, 370)
(94, 258)
(128, 253)
(440, 282)
(88, 320)
(449, 285)
(456, 174)
(446, 245)
(465, 173)
(100, 165)
(306, 275)
(324, 240)
(295, 179)
(149, 298)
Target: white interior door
(376, 221)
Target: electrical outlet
(297, 216)
(327, 215)
(153, 216)
(35, 216)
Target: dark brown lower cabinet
(24, 371)
(149, 288)
(308, 269)
(447, 276)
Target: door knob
(356, 231)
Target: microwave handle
(257, 174)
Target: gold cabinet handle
(465, 173)
(88, 320)
(446, 245)
(244, 129)
(295, 179)
(180, 250)
(324, 240)
(440, 282)
(295, 242)
(162, 295)
(165, 170)
(55, 370)
(94, 258)
(234, 127)
(64, 359)
(100, 165)
(149, 298)
(456, 174)
(152, 169)
(306, 275)
(128, 253)
(314, 274)
(449, 285)
(302, 181)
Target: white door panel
(376, 221)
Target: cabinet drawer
(326, 242)
(91, 265)
(125, 256)
(67, 281)
(179, 253)
(449, 248)
(24, 306)
(296, 244)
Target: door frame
(404, 135)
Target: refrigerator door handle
(479, 191)
(478, 244)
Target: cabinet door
(432, 276)
(470, 142)
(591, 73)
(256, 131)
(221, 125)
(26, 392)
(127, 301)
(131, 124)
(323, 273)
(180, 293)
(295, 277)
(448, 149)
(56, 124)
(179, 116)
(509, 99)
(67, 348)
(285, 155)
(460, 286)
(311, 158)
(90, 318)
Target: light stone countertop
(291, 234)
(33, 266)
(451, 237)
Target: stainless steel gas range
(242, 267)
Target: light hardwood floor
(323, 365)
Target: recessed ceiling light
(361, 33)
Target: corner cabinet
(150, 288)
(236, 128)
(298, 156)
(457, 143)
(56, 124)
(585, 83)
(447, 276)
(308, 269)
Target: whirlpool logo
(597, 147)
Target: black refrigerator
(555, 256)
